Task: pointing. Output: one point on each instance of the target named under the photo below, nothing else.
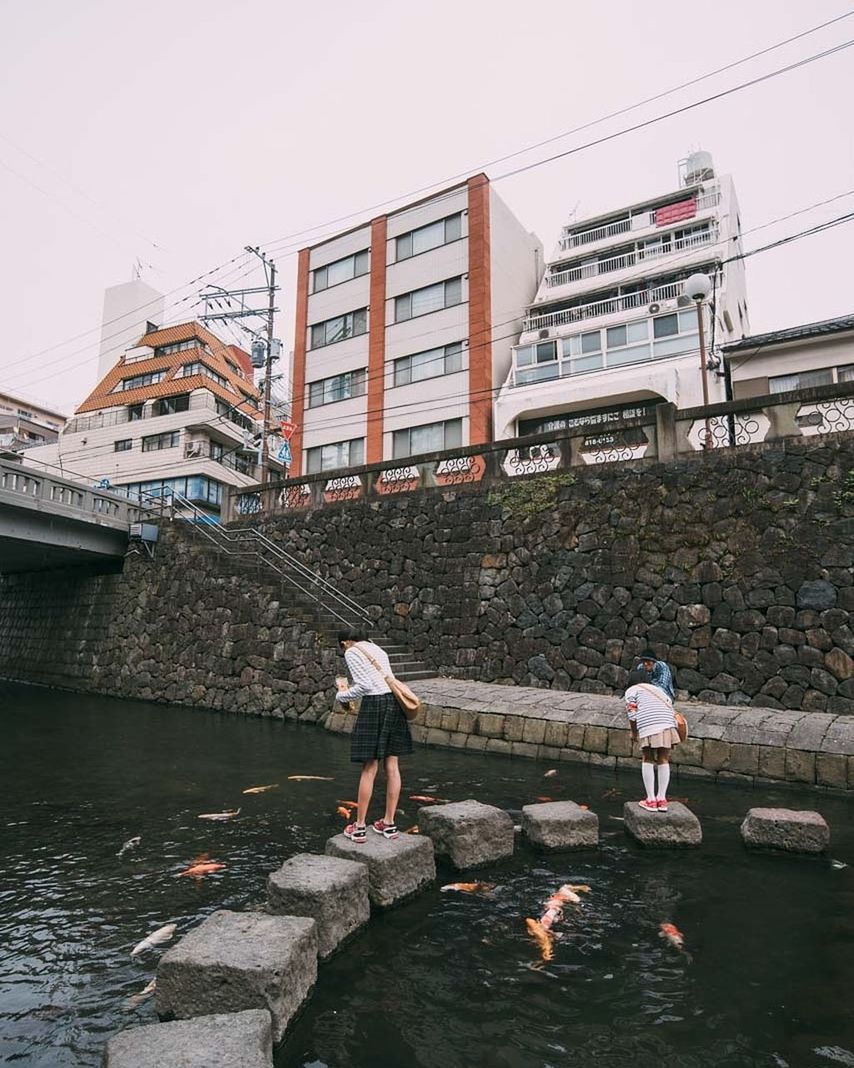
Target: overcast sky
(176, 133)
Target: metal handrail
(224, 538)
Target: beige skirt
(663, 740)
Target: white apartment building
(25, 424)
(404, 328)
(179, 411)
(610, 330)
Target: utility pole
(268, 381)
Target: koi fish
(470, 888)
(137, 999)
(670, 933)
(565, 895)
(550, 774)
(414, 829)
(130, 844)
(345, 813)
(543, 798)
(198, 871)
(310, 778)
(542, 937)
(428, 800)
(156, 938)
(584, 808)
(220, 816)
(261, 789)
(350, 804)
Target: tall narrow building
(404, 327)
(611, 330)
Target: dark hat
(647, 654)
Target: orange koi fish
(671, 934)
(414, 829)
(261, 789)
(347, 804)
(345, 813)
(137, 999)
(565, 895)
(470, 888)
(543, 798)
(542, 937)
(428, 800)
(201, 866)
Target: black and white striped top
(650, 708)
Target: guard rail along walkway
(662, 433)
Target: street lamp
(698, 288)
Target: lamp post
(697, 288)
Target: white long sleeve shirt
(366, 679)
(650, 709)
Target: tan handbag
(410, 703)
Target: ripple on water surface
(450, 979)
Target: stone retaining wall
(736, 744)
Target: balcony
(205, 450)
(631, 222)
(641, 254)
(203, 403)
(609, 306)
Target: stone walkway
(738, 743)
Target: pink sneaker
(387, 830)
(662, 805)
(650, 806)
(358, 835)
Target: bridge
(48, 522)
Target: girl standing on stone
(653, 722)
(381, 731)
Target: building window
(429, 299)
(432, 437)
(339, 328)
(542, 352)
(25, 413)
(338, 388)
(135, 411)
(434, 235)
(343, 270)
(803, 380)
(161, 441)
(151, 379)
(339, 454)
(195, 488)
(665, 325)
(122, 446)
(199, 368)
(846, 374)
(429, 364)
(171, 405)
(181, 346)
(228, 411)
(216, 450)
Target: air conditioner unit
(543, 333)
(682, 301)
(654, 308)
(194, 448)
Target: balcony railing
(639, 221)
(118, 416)
(203, 450)
(610, 306)
(643, 254)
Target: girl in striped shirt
(653, 723)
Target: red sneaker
(358, 835)
(662, 805)
(387, 830)
(650, 806)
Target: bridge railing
(663, 433)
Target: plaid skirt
(381, 730)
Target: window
(846, 374)
(134, 412)
(230, 412)
(341, 271)
(198, 368)
(429, 364)
(216, 450)
(152, 378)
(665, 325)
(429, 299)
(339, 328)
(195, 488)
(170, 405)
(591, 342)
(181, 346)
(340, 454)
(801, 380)
(338, 388)
(432, 236)
(122, 446)
(432, 437)
(542, 352)
(25, 413)
(161, 441)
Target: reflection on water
(449, 979)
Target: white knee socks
(663, 781)
(648, 773)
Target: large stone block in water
(228, 1040)
(240, 960)
(560, 825)
(331, 890)
(787, 829)
(397, 867)
(678, 827)
(468, 833)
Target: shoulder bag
(681, 722)
(410, 703)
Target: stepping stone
(787, 829)
(676, 828)
(397, 868)
(228, 1040)
(560, 825)
(332, 891)
(468, 833)
(240, 960)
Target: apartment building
(610, 330)
(24, 424)
(404, 328)
(179, 411)
(798, 357)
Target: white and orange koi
(261, 789)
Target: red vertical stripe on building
(376, 342)
(300, 334)
(480, 312)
